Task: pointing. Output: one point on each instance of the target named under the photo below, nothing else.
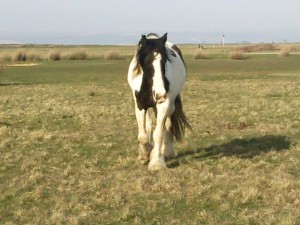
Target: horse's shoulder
(134, 69)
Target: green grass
(68, 145)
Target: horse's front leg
(167, 147)
(144, 145)
(157, 161)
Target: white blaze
(158, 82)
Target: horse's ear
(143, 40)
(164, 38)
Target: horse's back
(175, 69)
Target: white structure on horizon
(223, 40)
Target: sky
(123, 21)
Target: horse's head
(150, 47)
(152, 56)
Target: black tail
(179, 120)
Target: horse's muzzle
(159, 98)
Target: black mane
(148, 47)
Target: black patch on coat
(176, 49)
(172, 53)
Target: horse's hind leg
(144, 145)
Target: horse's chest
(144, 94)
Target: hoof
(143, 159)
(156, 165)
(144, 153)
(170, 155)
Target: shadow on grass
(13, 84)
(243, 148)
(5, 124)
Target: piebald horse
(156, 76)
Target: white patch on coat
(158, 86)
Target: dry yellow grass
(20, 55)
(200, 54)
(285, 52)
(114, 55)
(238, 55)
(76, 55)
(258, 48)
(75, 155)
(54, 55)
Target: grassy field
(68, 143)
